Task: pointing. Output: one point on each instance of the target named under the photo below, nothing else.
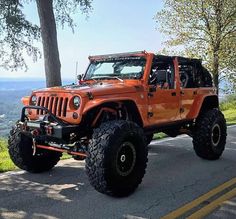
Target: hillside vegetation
(228, 107)
(5, 162)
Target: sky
(112, 27)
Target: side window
(193, 75)
(203, 77)
(162, 74)
(187, 75)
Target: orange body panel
(195, 108)
(164, 105)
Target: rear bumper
(48, 125)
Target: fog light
(75, 115)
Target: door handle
(173, 93)
(182, 92)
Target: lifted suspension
(63, 150)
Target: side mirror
(79, 77)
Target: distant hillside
(11, 92)
(10, 102)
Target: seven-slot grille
(56, 105)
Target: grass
(159, 135)
(5, 162)
(65, 156)
(228, 103)
(228, 108)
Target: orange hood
(97, 89)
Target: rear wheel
(117, 158)
(210, 133)
(21, 153)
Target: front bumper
(48, 125)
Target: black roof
(134, 54)
(180, 58)
(118, 55)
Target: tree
(202, 29)
(18, 35)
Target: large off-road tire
(21, 153)
(209, 135)
(117, 158)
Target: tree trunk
(49, 38)
(216, 82)
(216, 70)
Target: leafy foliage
(228, 103)
(65, 10)
(18, 35)
(230, 116)
(202, 29)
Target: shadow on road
(175, 175)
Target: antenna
(76, 71)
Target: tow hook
(49, 130)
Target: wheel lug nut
(122, 158)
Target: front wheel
(21, 153)
(117, 158)
(209, 137)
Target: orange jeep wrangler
(110, 117)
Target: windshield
(123, 68)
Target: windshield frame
(142, 59)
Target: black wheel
(209, 136)
(149, 138)
(117, 158)
(21, 153)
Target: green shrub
(230, 116)
(228, 103)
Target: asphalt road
(175, 176)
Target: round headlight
(76, 102)
(33, 100)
